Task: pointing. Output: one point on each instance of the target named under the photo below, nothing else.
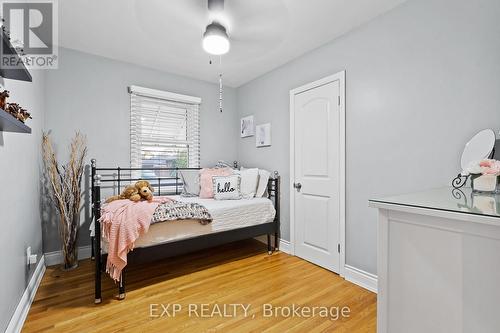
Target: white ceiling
(166, 34)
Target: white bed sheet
(226, 214)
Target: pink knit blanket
(123, 221)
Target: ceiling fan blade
(259, 34)
(257, 22)
(194, 12)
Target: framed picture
(246, 127)
(263, 135)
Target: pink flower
(486, 163)
(490, 167)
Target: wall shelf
(21, 73)
(10, 124)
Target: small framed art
(247, 127)
(263, 135)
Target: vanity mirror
(478, 148)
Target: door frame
(340, 76)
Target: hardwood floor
(237, 273)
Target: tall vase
(70, 250)
(71, 257)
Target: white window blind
(164, 131)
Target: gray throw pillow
(191, 181)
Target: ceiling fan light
(215, 39)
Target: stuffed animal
(130, 192)
(145, 190)
(140, 190)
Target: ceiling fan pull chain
(220, 92)
(220, 84)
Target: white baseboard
(17, 321)
(56, 257)
(352, 274)
(285, 246)
(361, 278)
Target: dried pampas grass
(65, 187)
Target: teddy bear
(140, 190)
(130, 192)
(145, 190)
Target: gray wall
(89, 93)
(20, 163)
(421, 80)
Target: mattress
(226, 214)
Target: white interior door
(317, 175)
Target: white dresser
(438, 262)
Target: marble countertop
(447, 199)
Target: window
(164, 131)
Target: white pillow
(263, 180)
(227, 187)
(249, 181)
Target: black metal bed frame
(170, 249)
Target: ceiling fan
(247, 27)
(215, 38)
(252, 26)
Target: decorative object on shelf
(24, 115)
(3, 97)
(9, 123)
(64, 183)
(246, 127)
(478, 148)
(13, 109)
(263, 135)
(18, 112)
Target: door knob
(297, 186)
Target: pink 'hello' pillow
(206, 185)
